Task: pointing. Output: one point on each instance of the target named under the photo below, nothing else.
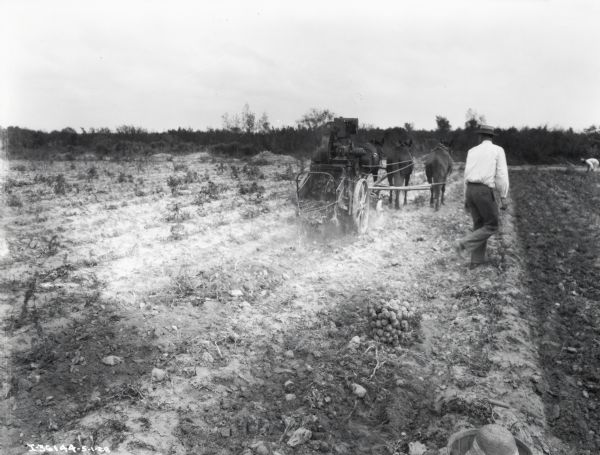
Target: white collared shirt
(486, 163)
(592, 163)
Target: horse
(399, 167)
(438, 166)
(371, 161)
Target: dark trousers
(482, 205)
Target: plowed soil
(231, 321)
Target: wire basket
(459, 443)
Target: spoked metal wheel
(360, 206)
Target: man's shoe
(459, 249)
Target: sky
(169, 64)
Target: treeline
(129, 142)
(245, 136)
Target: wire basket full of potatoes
(393, 322)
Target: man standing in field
(485, 170)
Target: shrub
(248, 150)
(253, 188)
(60, 185)
(41, 178)
(191, 177)
(230, 148)
(254, 211)
(175, 214)
(173, 182)
(53, 245)
(208, 193)
(184, 284)
(102, 149)
(289, 174)
(180, 167)
(123, 178)
(92, 173)
(14, 201)
(253, 172)
(177, 231)
(261, 162)
(12, 183)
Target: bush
(92, 173)
(261, 162)
(41, 178)
(60, 185)
(185, 284)
(253, 188)
(180, 167)
(173, 182)
(253, 172)
(191, 177)
(123, 178)
(176, 214)
(248, 150)
(254, 211)
(289, 174)
(230, 148)
(12, 183)
(208, 193)
(14, 201)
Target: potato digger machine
(336, 188)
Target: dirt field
(151, 312)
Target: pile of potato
(392, 322)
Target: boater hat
(493, 440)
(486, 130)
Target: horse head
(380, 158)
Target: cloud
(184, 63)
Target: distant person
(591, 163)
(493, 440)
(485, 170)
